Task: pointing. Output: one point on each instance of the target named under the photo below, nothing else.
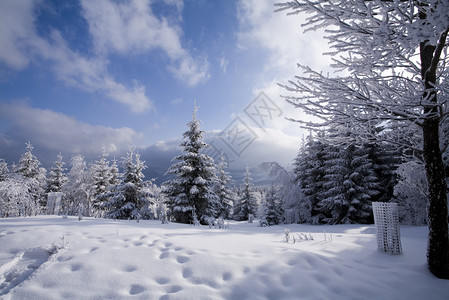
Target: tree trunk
(437, 214)
(438, 243)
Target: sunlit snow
(107, 259)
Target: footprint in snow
(129, 268)
(182, 259)
(136, 289)
(162, 280)
(227, 276)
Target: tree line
(200, 191)
(329, 184)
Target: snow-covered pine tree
(28, 165)
(223, 190)
(114, 172)
(28, 168)
(247, 203)
(129, 198)
(4, 170)
(101, 180)
(78, 190)
(191, 195)
(57, 178)
(385, 158)
(349, 185)
(309, 171)
(273, 212)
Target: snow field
(148, 260)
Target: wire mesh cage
(388, 233)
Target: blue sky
(79, 75)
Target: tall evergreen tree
(28, 165)
(273, 213)
(114, 173)
(191, 194)
(101, 177)
(309, 171)
(4, 170)
(57, 178)
(349, 185)
(223, 191)
(129, 198)
(28, 168)
(247, 203)
(385, 158)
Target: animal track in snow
(21, 267)
(182, 259)
(129, 268)
(227, 276)
(162, 280)
(136, 289)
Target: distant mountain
(273, 172)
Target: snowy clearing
(107, 259)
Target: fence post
(387, 227)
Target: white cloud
(16, 23)
(282, 40)
(20, 43)
(58, 132)
(282, 36)
(132, 27)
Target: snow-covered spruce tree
(309, 172)
(349, 184)
(101, 180)
(130, 198)
(57, 178)
(4, 170)
(385, 159)
(114, 173)
(247, 202)
(78, 190)
(394, 54)
(223, 190)
(191, 193)
(28, 168)
(160, 209)
(273, 213)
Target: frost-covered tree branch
(391, 56)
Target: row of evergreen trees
(339, 182)
(199, 190)
(330, 184)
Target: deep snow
(107, 259)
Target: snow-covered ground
(106, 259)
